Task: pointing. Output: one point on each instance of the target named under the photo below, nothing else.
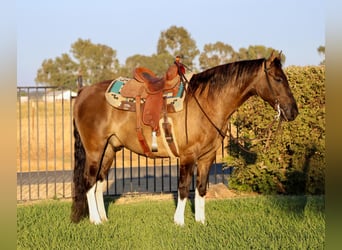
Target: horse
(212, 96)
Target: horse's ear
(279, 56)
(270, 59)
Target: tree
(216, 54)
(255, 52)
(96, 62)
(172, 42)
(157, 63)
(220, 53)
(60, 71)
(177, 41)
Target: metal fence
(45, 153)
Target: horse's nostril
(293, 114)
(290, 112)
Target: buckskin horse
(211, 98)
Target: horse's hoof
(181, 224)
(96, 222)
(202, 221)
(178, 221)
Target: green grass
(263, 222)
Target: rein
(186, 81)
(279, 110)
(206, 115)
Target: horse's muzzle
(289, 112)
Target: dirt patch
(220, 191)
(215, 191)
(138, 197)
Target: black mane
(218, 76)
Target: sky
(46, 29)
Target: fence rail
(45, 153)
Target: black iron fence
(45, 153)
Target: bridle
(277, 105)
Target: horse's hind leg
(94, 215)
(99, 201)
(186, 173)
(97, 212)
(106, 164)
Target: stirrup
(154, 142)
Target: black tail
(79, 207)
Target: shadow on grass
(297, 205)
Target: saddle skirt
(122, 91)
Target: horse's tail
(79, 207)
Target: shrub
(292, 160)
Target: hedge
(292, 160)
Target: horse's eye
(278, 78)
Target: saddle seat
(154, 84)
(146, 85)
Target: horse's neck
(225, 103)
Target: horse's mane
(231, 73)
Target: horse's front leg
(203, 167)
(186, 173)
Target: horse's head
(275, 89)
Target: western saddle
(154, 91)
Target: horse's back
(91, 110)
(91, 97)
(95, 90)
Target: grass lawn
(262, 222)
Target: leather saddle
(146, 85)
(154, 84)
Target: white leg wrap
(94, 216)
(99, 201)
(199, 207)
(179, 214)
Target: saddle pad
(115, 99)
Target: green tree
(158, 63)
(177, 41)
(255, 52)
(61, 71)
(96, 62)
(215, 54)
(172, 42)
